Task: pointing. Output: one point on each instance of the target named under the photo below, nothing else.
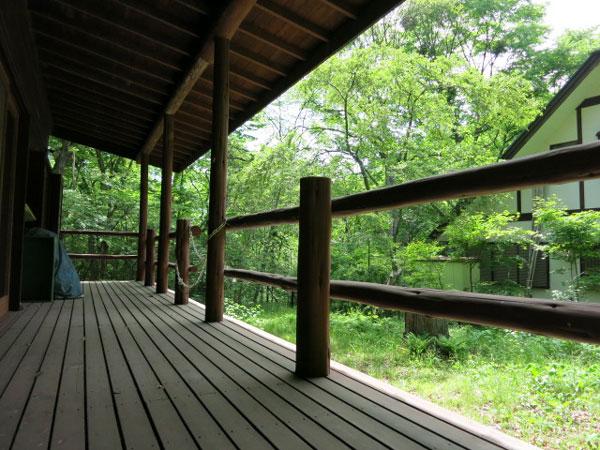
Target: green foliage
(569, 237)
(418, 262)
(476, 236)
(241, 311)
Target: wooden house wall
(20, 56)
(25, 126)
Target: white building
(572, 117)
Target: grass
(542, 390)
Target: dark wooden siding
(515, 272)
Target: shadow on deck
(127, 368)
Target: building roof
(112, 68)
(570, 86)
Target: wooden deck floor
(126, 368)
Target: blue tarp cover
(66, 278)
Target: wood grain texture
(166, 197)
(182, 252)
(149, 271)
(225, 26)
(314, 266)
(143, 219)
(123, 368)
(215, 253)
(560, 166)
(99, 233)
(100, 256)
(567, 320)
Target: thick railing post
(215, 252)
(162, 269)
(149, 272)
(143, 219)
(182, 251)
(314, 266)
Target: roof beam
(342, 7)
(256, 59)
(226, 26)
(272, 40)
(293, 19)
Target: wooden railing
(182, 265)
(567, 320)
(99, 256)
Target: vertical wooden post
(18, 229)
(218, 184)
(149, 272)
(143, 219)
(36, 186)
(314, 265)
(54, 202)
(162, 270)
(182, 250)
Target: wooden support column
(18, 228)
(162, 269)
(54, 202)
(314, 266)
(143, 219)
(149, 271)
(182, 250)
(218, 184)
(36, 186)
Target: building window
(540, 273)
(589, 265)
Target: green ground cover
(544, 391)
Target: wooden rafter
(226, 25)
(343, 7)
(270, 39)
(293, 19)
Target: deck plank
(268, 424)
(169, 426)
(137, 427)
(9, 320)
(125, 368)
(323, 426)
(340, 382)
(204, 428)
(15, 343)
(385, 435)
(15, 396)
(69, 421)
(412, 421)
(36, 424)
(101, 409)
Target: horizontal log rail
(173, 265)
(578, 162)
(182, 253)
(567, 320)
(195, 230)
(100, 233)
(100, 256)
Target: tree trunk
(424, 325)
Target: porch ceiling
(112, 68)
